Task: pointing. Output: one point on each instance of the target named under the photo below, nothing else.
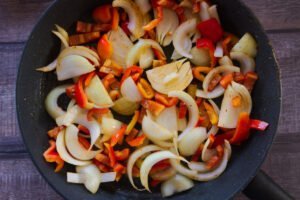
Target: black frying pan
(32, 88)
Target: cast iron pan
(32, 87)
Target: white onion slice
(154, 131)
(144, 6)
(182, 122)
(183, 34)
(163, 144)
(204, 14)
(150, 161)
(247, 63)
(176, 184)
(214, 129)
(75, 178)
(81, 51)
(133, 158)
(168, 119)
(110, 126)
(74, 147)
(217, 92)
(63, 32)
(49, 67)
(225, 60)
(192, 108)
(63, 153)
(247, 45)
(200, 167)
(206, 152)
(213, 12)
(130, 91)
(51, 101)
(69, 116)
(108, 177)
(92, 177)
(146, 58)
(219, 50)
(64, 42)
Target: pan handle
(263, 187)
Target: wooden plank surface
(280, 18)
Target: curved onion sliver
(163, 144)
(135, 52)
(200, 167)
(154, 131)
(133, 158)
(168, 119)
(183, 34)
(214, 129)
(49, 67)
(74, 147)
(192, 107)
(247, 45)
(63, 153)
(150, 161)
(110, 126)
(219, 50)
(176, 184)
(213, 12)
(130, 91)
(68, 118)
(217, 92)
(205, 176)
(64, 42)
(51, 101)
(135, 24)
(247, 63)
(63, 32)
(146, 58)
(144, 6)
(225, 60)
(92, 177)
(92, 125)
(206, 152)
(204, 14)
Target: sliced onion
(247, 45)
(64, 42)
(189, 144)
(186, 4)
(63, 32)
(136, 155)
(92, 177)
(97, 94)
(163, 144)
(205, 176)
(158, 74)
(49, 67)
(167, 118)
(164, 174)
(93, 127)
(125, 107)
(51, 101)
(167, 27)
(68, 118)
(146, 58)
(229, 114)
(181, 122)
(204, 14)
(108, 177)
(182, 33)
(150, 161)
(192, 107)
(72, 66)
(135, 52)
(120, 44)
(214, 129)
(130, 91)
(206, 152)
(247, 63)
(200, 56)
(217, 92)
(219, 50)
(154, 131)
(200, 167)
(135, 16)
(63, 153)
(75, 178)
(110, 126)
(225, 60)
(144, 6)
(213, 12)
(176, 184)
(74, 147)
(196, 36)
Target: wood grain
(20, 16)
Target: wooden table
(20, 180)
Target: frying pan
(32, 87)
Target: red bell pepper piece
(165, 100)
(137, 141)
(250, 79)
(70, 91)
(104, 48)
(80, 96)
(258, 124)
(122, 155)
(198, 153)
(154, 107)
(158, 54)
(102, 14)
(97, 113)
(151, 25)
(102, 167)
(208, 44)
(154, 183)
(118, 137)
(84, 142)
(111, 154)
(55, 131)
(124, 26)
(219, 139)
(134, 71)
(211, 29)
(115, 19)
(51, 155)
(83, 129)
(104, 159)
(83, 27)
(242, 130)
(182, 110)
(215, 160)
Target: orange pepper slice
(145, 89)
(104, 48)
(132, 122)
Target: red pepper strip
(154, 107)
(119, 168)
(154, 183)
(55, 131)
(118, 136)
(83, 27)
(97, 113)
(250, 79)
(115, 19)
(102, 14)
(206, 43)
(138, 141)
(119, 176)
(258, 124)
(215, 160)
(214, 82)
(151, 25)
(125, 28)
(112, 67)
(134, 71)
(212, 139)
(132, 122)
(225, 44)
(165, 100)
(219, 139)
(238, 77)
(145, 89)
(159, 55)
(211, 29)
(196, 7)
(226, 80)
(111, 154)
(104, 48)
(135, 172)
(242, 131)
(132, 135)
(122, 155)
(182, 110)
(160, 166)
(198, 153)
(70, 91)
(88, 78)
(101, 167)
(108, 80)
(104, 159)
(80, 96)
(51, 155)
(83, 38)
(85, 143)
(200, 121)
(83, 129)
(142, 114)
